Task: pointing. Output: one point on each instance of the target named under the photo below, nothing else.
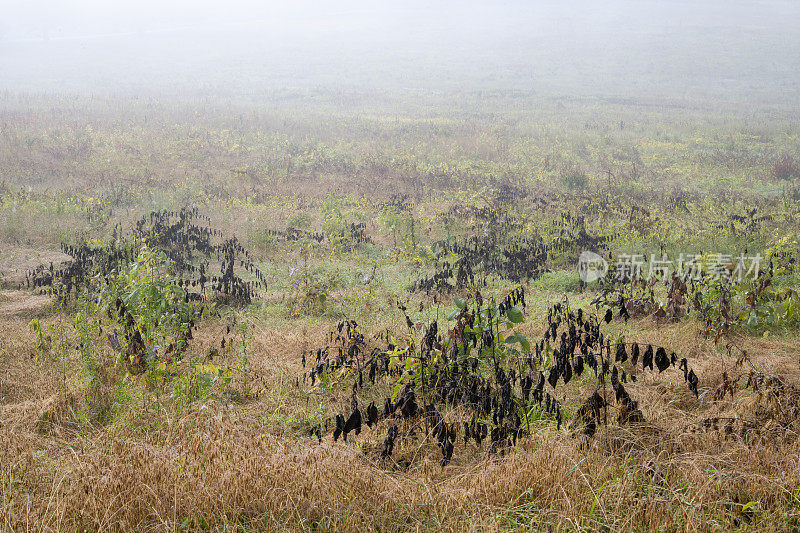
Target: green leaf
(511, 339)
(459, 303)
(453, 315)
(515, 315)
(750, 507)
(526, 344)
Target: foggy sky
(686, 49)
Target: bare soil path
(15, 260)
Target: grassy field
(343, 204)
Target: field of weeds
(304, 318)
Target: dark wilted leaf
(662, 361)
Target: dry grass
(241, 466)
(220, 472)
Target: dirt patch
(23, 303)
(16, 260)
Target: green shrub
(786, 168)
(574, 178)
(298, 220)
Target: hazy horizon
(742, 52)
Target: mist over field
(741, 51)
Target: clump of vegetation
(574, 178)
(786, 168)
(481, 380)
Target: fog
(745, 52)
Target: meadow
(352, 310)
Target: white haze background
(722, 50)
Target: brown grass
(222, 473)
(242, 466)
